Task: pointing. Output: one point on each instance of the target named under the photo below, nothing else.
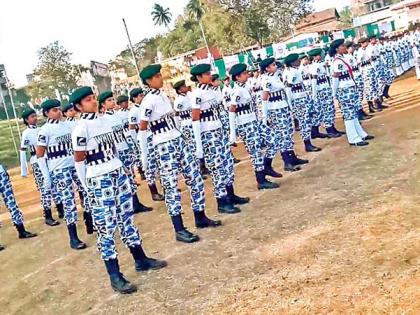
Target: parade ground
(342, 236)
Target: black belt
(99, 157)
(306, 77)
(162, 125)
(58, 154)
(244, 109)
(298, 88)
(321, 79)
(277, 96)
(32, 150)
(185, 115)
(344, 76)
(208, 115)
(365, 63)
(356, 68)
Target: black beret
(136, 92)
(315, 52)
(302, 55)
(48, 104)
(237, 69)
(122, 99)
(67, 107)
(27, 112)
(104, 95)
(266, 62)
(290, 59)
(178, 84)
(80, 94)
(149, 71)
(200, 69)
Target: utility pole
(132, 52)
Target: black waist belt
(344, 77)
(374, 58)
(244, 109)
(208, 115)
(298, 88)
(277, 96)
(58, 154)
(162, 125)
(321, 79)
(306, 77)
(356, 68)
(99, 157)
(185, 115)
(258, 89)
(32, 150)
(365, 63)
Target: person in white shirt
(173, 155)
(344, 90)
(210, 141)
(28, 143)
(301, 100)
(125, 154)
(104, 177)
(243, 122)
(6, 191)
(55, 159)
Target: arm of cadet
(42, 162)
(80, 165)
(133, 133)
(196, 115)
(335, 83)
(232, 123)
(265, 97)
(142, 139)
(23, 165)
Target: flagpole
(13, 106)
(132, 52)
(10, 126)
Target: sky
(90, 29)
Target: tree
(346, 17)
(196, 12)
(161, 16)
(55, 72)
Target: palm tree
(161, 16)
(196, 12)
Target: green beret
(178, 84)
(48, 104)
(315, 52)
(67, 107)
(214, 77)
(362, 40)
(237, 69)
(200, 69)
(290, 59)
(266, 62)
(104, 95)
(136, 92)
(335, 44)
(372, 36)
(80, 94)
(27, 112)
(348, 44)
(149, 71)
(302, 55)
(122, 99)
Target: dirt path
(340, 237)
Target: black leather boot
(295, 160)
(296, 124)
(144, 263)
(386, 91)
(60, 210)
(2, 247)
(288, 162)
(75, 243)
(340, 132)
(332, 133)
(118, 282)
(309, 147)
(268, 168)
(138, 206)
(181, 233)
(87, 217)
(155, 194)
(316, 134)
(49, 220)
(23, 233)
(236, 200)
(371, 107)
(378, 105)
(141, 172)
(202, 221)
(263, 183)
(225, 205)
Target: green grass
(7, 150)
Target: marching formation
(100, 152)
